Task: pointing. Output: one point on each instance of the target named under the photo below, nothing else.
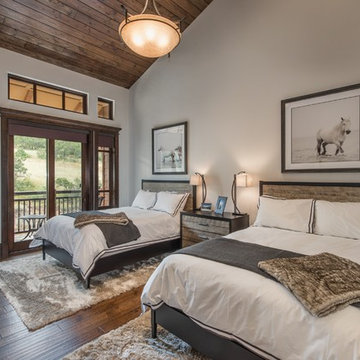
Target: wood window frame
(111, 108)
(10, 117)
(63, 90)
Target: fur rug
(133, 341)
(46, 291)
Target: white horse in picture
(166, 154)
(335, 135)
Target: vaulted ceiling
(82, 35)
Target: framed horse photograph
(320, 131)
(169, 149)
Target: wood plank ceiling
(82, 35)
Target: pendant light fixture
(149, 35)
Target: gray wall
(236, 62)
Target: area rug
(42, 292)
(133, 341)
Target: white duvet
(255, 310)
(88, 244)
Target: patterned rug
(133, 341)
(46, 291)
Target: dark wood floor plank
(54, 341)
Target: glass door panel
(30, 186)
(68, 176)
(104, 177)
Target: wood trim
(117, 175)
(4, 186)
(51, 210)
(52, 120)
(111, 108)
(304, 183)
(48, 122)
(63, 90)
(342, 192)
(10, 182)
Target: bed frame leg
(43, 252)
(153, 324)
(87, 283)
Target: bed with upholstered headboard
(109, 259)
(213, 333)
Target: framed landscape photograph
(169, 149)
(320, 132)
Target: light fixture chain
(155, 7)
(146, 5)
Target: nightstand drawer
(193, 236)
(208, 225)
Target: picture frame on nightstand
(220, 205)
(205, 207)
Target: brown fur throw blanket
(323, 283)
(91, 218)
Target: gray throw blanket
(117, 228)
(241, 254)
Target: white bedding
(257, 310)
(88, 244)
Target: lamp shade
(150, 35)
(195, 180)
(241, 180)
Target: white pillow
(144, 199)
(296, 214)
(170, 203)
(337, 219)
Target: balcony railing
(35, 203)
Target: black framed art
(320, 131)
(169, 149)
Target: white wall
(236, 62)
(11, 62)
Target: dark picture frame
(220, 205)
(169, 149)
(320, 131)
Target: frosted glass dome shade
(150, 35)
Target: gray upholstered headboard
(180, 186)
(342, 192)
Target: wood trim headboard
(180, 186)
(342, 192)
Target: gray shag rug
(46, 291)
(133, 341)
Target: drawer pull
(203, 224)
(204, 237)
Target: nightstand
(198, 225)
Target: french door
(48, 179)
(49, 167)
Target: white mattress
(256, 310)
(88, 244)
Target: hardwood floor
(60, 338)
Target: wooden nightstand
(198, 226)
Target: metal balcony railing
(35, 203)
